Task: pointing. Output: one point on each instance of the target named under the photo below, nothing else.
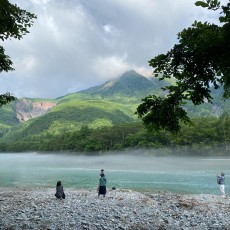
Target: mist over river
(142, 173)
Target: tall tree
(14, 23)
(199, 60)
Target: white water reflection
(177, 174)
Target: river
(142, 173)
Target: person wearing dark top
(102, 185)
(59, 191)
(103, 172)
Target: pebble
(25, 208)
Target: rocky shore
(23, 208)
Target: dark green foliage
(6, 98)
(14, 22)
(166, 118)
(5, 62)
(201, 59)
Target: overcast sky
(77, 44)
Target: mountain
(113, 102)
(129, 85)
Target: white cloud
(112, 66)
(76, 44)
(107, 29)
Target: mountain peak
(130, 73)
(134, 81)
(126, 84)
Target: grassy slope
(70, 114)
(95, 107)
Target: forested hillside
(90, 120)
(112, 103)
(206, 136)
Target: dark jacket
(60, 192)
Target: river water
(142, 173)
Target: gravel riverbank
(23, 208)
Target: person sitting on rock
(59, 191)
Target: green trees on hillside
(14, 23)
(207, 136)
(201, 59)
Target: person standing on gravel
(59, 191)
(102, 185)
(103, 172)
(221, 182)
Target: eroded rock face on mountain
(27, 109)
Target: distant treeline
(206, 136)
